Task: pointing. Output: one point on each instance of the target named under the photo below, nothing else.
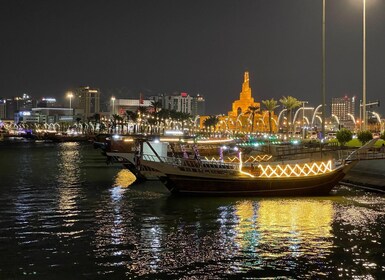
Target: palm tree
(290, 103)
(96, 118)
(142, 110)
(156, 106)
(132, 116)
(115, 119)
(270, 106)
(211, 121)
(252, 110)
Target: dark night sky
(197, 46)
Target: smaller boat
(127, 149)
(186, 176)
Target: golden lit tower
(241, 106)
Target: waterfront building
(47, 102)
(44, 115)
(343, 108)
(52, 114)
(198, 106)
(10, 107)
(3, 109)
(86, 101)
(182, 102)
(120, 106)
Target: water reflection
(248, 235)
(68, 177)
(359, 236)
(64, 212)
(124, 178)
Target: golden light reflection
(68, 176)
(276, 228)
(124, 178)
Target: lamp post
(303, 118)
(70, 95)
(364, 117)
(323, 70)
(113, 104)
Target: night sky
(48, 47)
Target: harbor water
(66, 214)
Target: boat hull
(319, 185)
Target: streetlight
(70, 95)
(303, 118)
(323, 71)
(364, 64)
(113, 104)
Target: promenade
(368, 174)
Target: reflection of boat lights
(290, 170)
(124, 178)
(117, 193)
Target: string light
(290, 170)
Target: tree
(132, 116)
(115, 120)
(343, 136)
(290, 103)
(156, 106)
(96, 118)
(270, 106)
(252, 110)
(142, 110)
(211, 121)
(364, 136)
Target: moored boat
(200, 177)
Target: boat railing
(195, 165)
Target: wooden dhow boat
(187, 176)
(127, 150)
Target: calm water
(65, 214)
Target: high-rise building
(343, 107)
(182, 102)
(87, 101)
(3, 109)
(14, 105)
(198, 106)
(47, 102)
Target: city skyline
(192, 46)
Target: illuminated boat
(208, 178)
(126, 150)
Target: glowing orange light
(295, 170)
